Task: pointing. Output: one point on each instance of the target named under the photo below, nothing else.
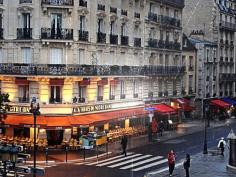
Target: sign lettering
(91, 108)
(19, 109)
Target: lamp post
(206, 109)
(5, 158)
(13, 157)
(35, 111)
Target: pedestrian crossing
(133, 162)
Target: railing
(160, 94)
(101, 7)
(175, 3)
(166, 20)
(59, 33)
(88, 70)
(166, 93)
(101, 37)
(227, 77)
(228, 25)
(124, 40)
(112, 97)
(99, 98)
(122, 96)
(174, 92)
(113, 10)
(58, 2)
(123, 12)
(55, 100)
(136, 15)
(113, 39)
(83, 35)
(152, 43)
(24, 33)
(25, 1)
(1, 33)
(23, 99)
(137, 42)
(152, 16)
(82, 3)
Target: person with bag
(171, 162)
(221, 145)
(123, 143)
(187, 164)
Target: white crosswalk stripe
(139, 161)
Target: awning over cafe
(220, 103)
(230, 101)
(184, 104)
(164, 109)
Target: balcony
(175, 93)
(152, 43)
(175, 3)
(176, 46)
(226, 59)
(136, 15)
(101, 7)
(1, 33)
(24, 33)
(161, 43)
(1, 2)
(25, 1)
(87, 70)
(123, 12)
(101, 37)
(82, 3)
(135, 95)
(160, 94)
(227, 77)
(124, 40)
(169, 21)
(207, 78)
(99, 98)
(57, 34)
(58, 2)
(23, 99)
(122, 96)
(137, 42)
(55, 100)
(152, 17)
(166, 93)
(113, 10)
(227, 26)
(112, 97)
(113, 39)
(231, 60)
(83, 35)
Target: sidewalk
(202, 166)
(59, 155)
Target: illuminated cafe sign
(19, 109)
(91, 108)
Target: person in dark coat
(171, 162)
(161, 127)
(124, 142)
(187, 164)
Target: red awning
(184, 104)
(69, 121)
(102, 82)
(164, 109)
(84, 82)
(56, 82)
(22, 81)
(220, 103)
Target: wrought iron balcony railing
(24, 33)
(82, 3)
(166, 20)
(122, 96)
(23, 99)
(112, 97)
(137, 42)
(55, 100)
(113, 39)
(25, 1)
(136, 15)
(123, 12)
(99, 98)
(101, 37)
(58, 2)
(124, 40)
(101, 7)
(152, 16)
(227, 77)
(87, 70)
(113, 10)
(1, 33)
(175, 3)
(58, 33)
(83, 35)
(152, 43)
(228, 25)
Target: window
(167, 35)
(26, 55)
(190, 81)
(123, 29)
(135, 88)
(190, 61)
(112, 25)
(81, 58)
(55, 96)
(176, 14)
(183, 60)
(122, 89)
(26, 20)
(161, 59)
(23, 93)
(56, 25)
(56, 56)
(100, 92)
(82, 23)
(1, 55)
(152, 33)
(82, 93)
(166, 60)
(112, 91)
(161, 35)
(100, 25)
(1, 22)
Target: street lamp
(35, 111)
(206, 109)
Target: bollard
(46, 154)
(84, 153)
(66, 149)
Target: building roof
(198, 41)
(187, 45)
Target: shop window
(23, 93)
(100, 93)
(22, 132)
(55, 94)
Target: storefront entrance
(54, 137)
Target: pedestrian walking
(124, 142)
(161, 127)
(154, 127)
(187, 164)
(221, 145)
(171, 162)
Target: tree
(4, 106)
